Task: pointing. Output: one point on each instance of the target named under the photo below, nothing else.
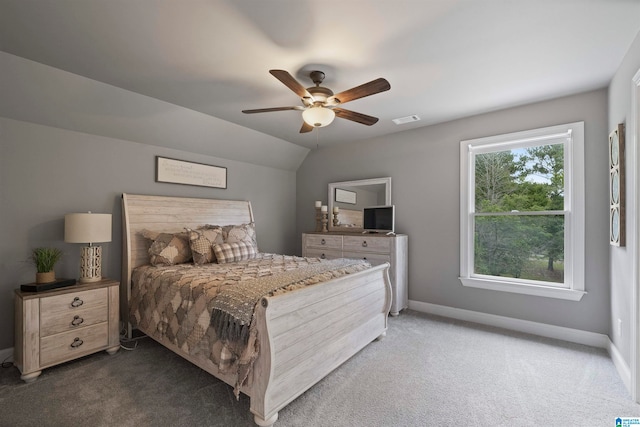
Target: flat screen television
(379, 219)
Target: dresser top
(355, 233)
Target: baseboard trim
(542, 329)
(550, 331)
(6, 353)
(621, 366)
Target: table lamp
(88, 228)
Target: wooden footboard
(306, 334)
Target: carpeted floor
(428, 371)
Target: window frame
(574, 211)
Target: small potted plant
(45, 259)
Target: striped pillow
(236, 251)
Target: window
(522, 212)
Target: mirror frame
(357, 183)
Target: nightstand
(56, 326)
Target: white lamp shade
(318, 116)
(87, 228)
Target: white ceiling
(444, 59)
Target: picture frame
(346, 196)
(176, 171)
(617, 187)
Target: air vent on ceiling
(408, 119)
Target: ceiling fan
(320, 104)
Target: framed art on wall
(190, 173)
(616, 187)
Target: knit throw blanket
(233, 307)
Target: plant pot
(49, 276)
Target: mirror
(350, 197)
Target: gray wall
(47, 172)
(622, 259)
(72, 144)
(425, 169)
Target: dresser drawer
(367, 244)
(320, 241)
(373, 258)
(70, 345)
(58, 313)
(324, 254)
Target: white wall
(424, 165)
(622, 259)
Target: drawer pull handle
(323, 242)
(77, 342)
(322, 256)
(77, 302)
(364, 244)
(77, 320)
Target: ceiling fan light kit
(320, 104)
(318, 116)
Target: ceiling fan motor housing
(319, 93)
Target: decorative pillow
(240, 233)
(236, 251)
(201, 242)
(168, 248)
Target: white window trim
(574, 213)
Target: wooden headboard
(168, 214)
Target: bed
(301, 335)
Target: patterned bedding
(174, 303)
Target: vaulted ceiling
(444, 59)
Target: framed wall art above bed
(191, 173)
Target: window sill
(527, 289)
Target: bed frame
(304, 334)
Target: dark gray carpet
(428, 371)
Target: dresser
(56, 326)
(375, 248)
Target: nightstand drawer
(58, 312)
(367, 244)
(54, 322)
(70, 345)
(326, 241)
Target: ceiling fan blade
(306, 127)
(290, 82)
(355, 117)
(371, 88)
(268, 110)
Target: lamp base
(91, 264)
